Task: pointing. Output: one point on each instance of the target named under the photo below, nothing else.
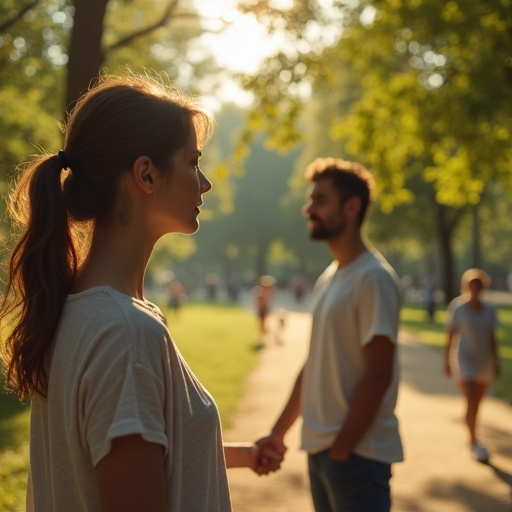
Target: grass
(14, 430)
(414, 319)
(219, 343)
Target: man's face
(324, 211)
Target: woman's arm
(249, 455)
(494, 349)
(448, 349)
(241, 455)
(131, 477)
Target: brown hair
(115, 122)
(350, 179)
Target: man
(346, 392)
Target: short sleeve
(379, 311)
(495, 323)
(122, 395)
(452, 317)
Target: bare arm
(131, 477)
(378, 375)
(240, 455)
(291, 410)
(247, 455)
(494, 348)
(448, 349)
(288, 416)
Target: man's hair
(350, 179)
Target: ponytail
(41, 269)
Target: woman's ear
(143, 173)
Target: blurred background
(418, 91)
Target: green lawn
(218, 342)
(414, 319)
(14, 428)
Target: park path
(438, 474)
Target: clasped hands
(268, 454)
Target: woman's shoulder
(457, 303)
(105, 308)
(490, 308)
(110, 301)
(107, 323)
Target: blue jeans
(354, 485)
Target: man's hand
(271, 453)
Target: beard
(329, 230)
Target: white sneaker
(479, 452)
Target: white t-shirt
(115, 371)
(351, 305)
(472, 354)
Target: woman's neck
(117, 261)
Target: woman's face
(179, 195)
(475, 287)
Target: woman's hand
(261, 459)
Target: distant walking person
(471, 355)
(263, 292)
(118, 419)
(347, 390)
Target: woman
(118, 420)
(471, 355)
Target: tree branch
(6, 25)
(162, 22)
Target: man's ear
(143, 173)
(353, 206)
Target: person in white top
(346, 392)
(471, 355)
(118, 420)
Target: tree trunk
(445, 229)
(476, 252)
(85, 54)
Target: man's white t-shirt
(115, 371)
(351, 305)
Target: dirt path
(438, 475)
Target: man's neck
(347, 248)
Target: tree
(433, 99)
(50, 50)
(166, 22)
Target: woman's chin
(191, 229)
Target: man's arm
(290, 412)
(379, 355)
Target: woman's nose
(206, 184)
